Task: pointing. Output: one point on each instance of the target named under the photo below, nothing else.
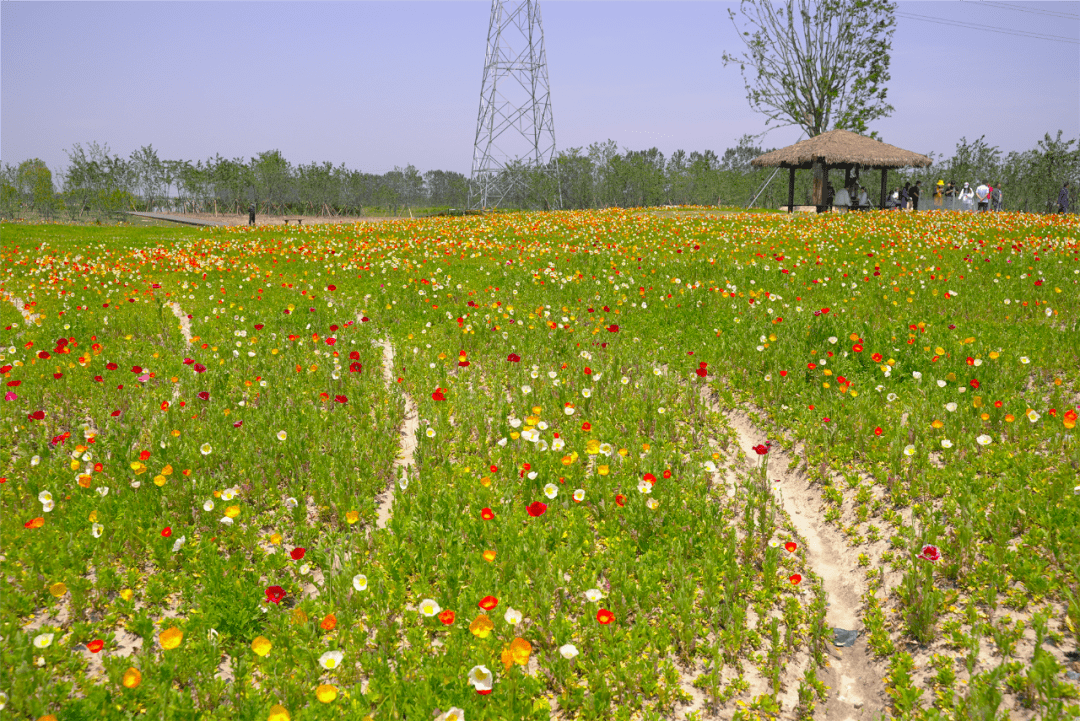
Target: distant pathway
(176, 219)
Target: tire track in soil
(855, 679)
(407, 443)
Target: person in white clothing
(864, 199)
(966, 197)
(983, 194)
(842, 200)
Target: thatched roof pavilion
(838, 149)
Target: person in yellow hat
(937, 193)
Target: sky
(374, 85)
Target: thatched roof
(842, 147)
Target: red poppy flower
(274, 594)
(258, 326)
(36, 416)
(667, 474)
(536, 509)
(857, 348)
(111, 366)
(331, 288)
(493, 468)
(997, 404)
(588, 371)
(35, 523)
(200, 368)
(876, 357)
(488, 602)
(487, 514)
(930, 553)
(790, 546)
(762, 448)
(513, 358)
(204, 396)
(650, 478)
(605, 616)
(136, 369)
(115, 413)
(297, 553)
(166, 532)
(99, 379)
(237, 424)
(447, 617)
(586, 426)
(878, 431)
(331, 340)
(44, 355)
(438, 395)
(613, 328)
(974, 384)
(795, 579)
(620, 500)
(811, 366)
(95, 646)
(702, 372)
(143, 455)
(341, 399)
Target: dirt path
(211, 219)
(407, 446)
(185, 321)
(855, 679)
(20, 306)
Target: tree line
(99, 184)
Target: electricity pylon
(515, 130)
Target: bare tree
(818, 65)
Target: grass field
(596, 465)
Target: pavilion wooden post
(791, 190)
(847, 177)
(884, 184)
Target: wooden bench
(299, 221)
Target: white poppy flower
(331, 660)
(512, 616)
(359, 582)
(568, 651)
(551, 490)
(593, 594)
(429, 607)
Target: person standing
(938, 190)
(864, 198)
(950, 196)
(1063, 198)
(983, 194)
(916, 191)
(251, 214)
(905, 196)
(995, 198)
(966, 196)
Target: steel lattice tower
(515, 128)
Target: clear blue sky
(376, 84)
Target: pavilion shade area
(839, 149)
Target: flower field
(573, 465)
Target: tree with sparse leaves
(817, 65)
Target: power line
(1011, 6)
(990, 28)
